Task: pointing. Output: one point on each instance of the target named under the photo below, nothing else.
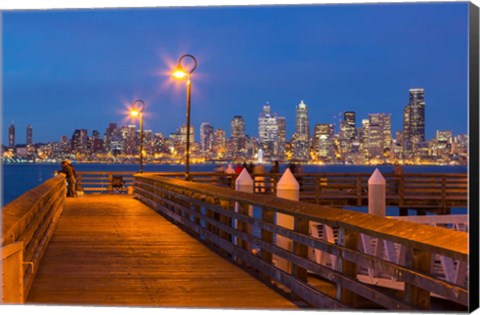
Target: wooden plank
(120, 252)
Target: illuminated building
(11, 135)
(238, 138)
(347, 135)
(323, 142)
(379, 135)
(301, 138)
(206, 139)
(29, 140)
(414, 122)
(268, 133)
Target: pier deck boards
(112, 250)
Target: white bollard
(377, 194)
(243, 183)
(287, 188)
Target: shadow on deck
(114, 250)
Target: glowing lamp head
(179, 73)
(134, 112)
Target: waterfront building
(206, 139)
(443, 145)
(238, 140)
(160, 144)
(301, 138)
(379, 135)
(107, 137)
(116, 141)
(414, 122)
(29, 140)
(219, 143)
(11, 135)
(268, 133)
(79, 141)
(323, 142)
(96, 142)
(347, 136)
(281, 137)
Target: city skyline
(64, 67)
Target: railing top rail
(14, 212)
(442, 241)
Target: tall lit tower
(268, 133)
(11, 135)
(347, 134)
(237, 136)
(206, 138)
(414, 122)
(301, 137)
(29, 135)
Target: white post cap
(244, 179)
(376, 178)
(288, 181)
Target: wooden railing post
(420, 261)
(302, 227)
(267, 236)
(348, 239)
(12, 274)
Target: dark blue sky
(71, 69)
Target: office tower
(29, 135)
(238, 139)
(347, 135)
(107, 137)
(443, 144)
(182, 134)
(79, 141)
(219, 143)
(414, 122)
(206, 139)
(268, 133)
(363, 138)
(129, 140)
(281, 138)
(301, 137)
(96, 143)
(379, 135)
(11, 135)
(323, 142)
(158, 143)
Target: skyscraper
(29, 135)
(281, 137)
(219, 143)
(268, 133)
(206, 139)
(414, 122)
(237, 136)
(379, 134)
(107, 138)
(323, 142)
(79, 141)
(11, 135)
(347, 135)
(301, 137)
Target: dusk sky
(78, 69)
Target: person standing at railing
(77, 188)
(70, 176)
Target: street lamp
(181, 73)
(138, 112)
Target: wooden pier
(121, 252)
(191, 244)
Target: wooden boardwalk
(112, 250)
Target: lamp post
(181, 73)
(138, 112)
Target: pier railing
(27, 226)
(422, 192)
(225, 220)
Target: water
(19, 178)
